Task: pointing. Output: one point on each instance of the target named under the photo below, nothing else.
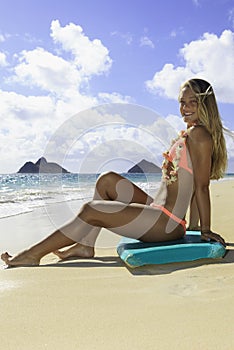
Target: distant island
(42, 166)
(145, 167)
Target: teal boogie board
(135, 253)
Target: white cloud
(24, 107)
(146, 41)
(104, 134)
(49, 72)
(3, 60)
(24, 121)
(2, 38)
(114, 98)
(210, 58)
(89, 56)
(112, 141)
(58, 75)
(176, 122)
(28, 122)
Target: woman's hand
(212, 236)
(193, 228)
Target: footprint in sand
(216, 288)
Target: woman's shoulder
(199, 134)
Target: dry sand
(100, 304)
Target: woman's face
(188, 106)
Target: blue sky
(60, 58)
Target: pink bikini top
(175, 158)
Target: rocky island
(145, 167)
(42, 166)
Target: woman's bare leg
(57, 240)
(33, 255)
(108, 216)
(114, 187)
(83, 249)
(109, 186)
(131, 220)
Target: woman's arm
(193, 215)
(200, 149)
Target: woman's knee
(106, 186)
(84, 212)
(88, 214)
(107, 177)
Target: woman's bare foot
(77, 251)
(22, 259)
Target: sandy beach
(101, 304)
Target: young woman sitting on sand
(198, 155)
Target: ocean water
(22, 193)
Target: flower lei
(170, 166)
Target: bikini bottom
(172, 216)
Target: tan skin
(194, 215)
(116, 200)
(200, 150)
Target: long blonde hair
(209, 117)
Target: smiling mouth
(187, 114)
